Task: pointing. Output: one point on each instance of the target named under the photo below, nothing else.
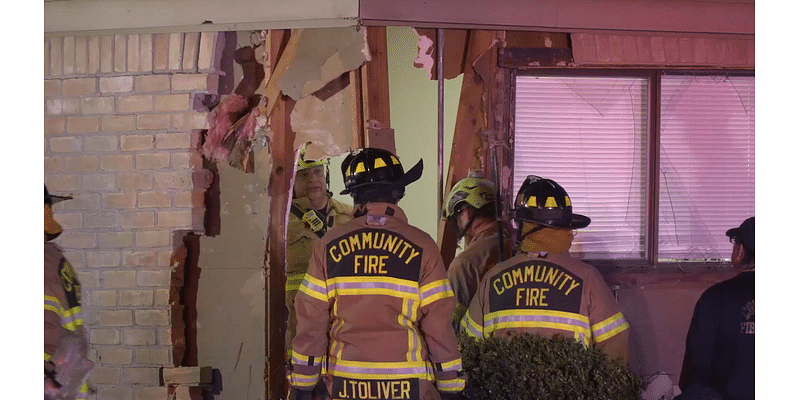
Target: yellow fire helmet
(474, 190)
(302, 163)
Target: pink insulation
(223, 118)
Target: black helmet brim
(409, 177)
(52, 198)
(578, 222)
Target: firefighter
(375, 306)
(65, 343)
(719, 362)
(313, 212)
(542, 289)
(471, 206)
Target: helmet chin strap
(328, 181)
(521, 236)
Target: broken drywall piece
(425, 50)
(320, 56)
(485, 62)
(454, 54)
(328, 124)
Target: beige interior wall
(414, 114)
(231, 288)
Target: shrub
(535, 367)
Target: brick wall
(122, 127)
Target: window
(596, 137)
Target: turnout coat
(374, 312)
(548, 294)
(62, 304)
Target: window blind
(707, 166)
(589, 135)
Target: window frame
(652, 150)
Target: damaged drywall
(329, 124)
(236, 121)
(314, 70)
(232, 284)
(321, 56)
(453, 56)
(318, 78)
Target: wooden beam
(466, 151)
(534, 57)
(375, 76)
(282, 149)
(668, 16)
(497, 102)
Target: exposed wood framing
(357, 106)
(468, 150)
(540, 57)
(375, 78)
(281, 147)
(497, 108)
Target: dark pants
(699, 392)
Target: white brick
(62, 106)
(115, 317)
(93, 44)
(187, 375)
(106, 53)
(103, 182)
(140, 337)
(151, 317)
(136, 298)
(190, 43)
(104, 336)
(102, 259)
(205, 58)
(117, 84)
(146, 52)
(96, 144)
(97, 105)
(56, 56)
(133, 53)
(120, 53)
(81, 55)
(66, 144)
(69, 55)
(175, 50)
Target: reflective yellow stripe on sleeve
(52, 304)
(450, 385)
(434, 291)
(293, 281)
(609, 327)
(314, 288)
(473, 328)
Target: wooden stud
(282, 149)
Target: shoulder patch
(70, 284)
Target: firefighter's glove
(450, 396)
(51, 386)
(303, 394)
(71, 364)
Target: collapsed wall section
(123, 116)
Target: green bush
(535, 367)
